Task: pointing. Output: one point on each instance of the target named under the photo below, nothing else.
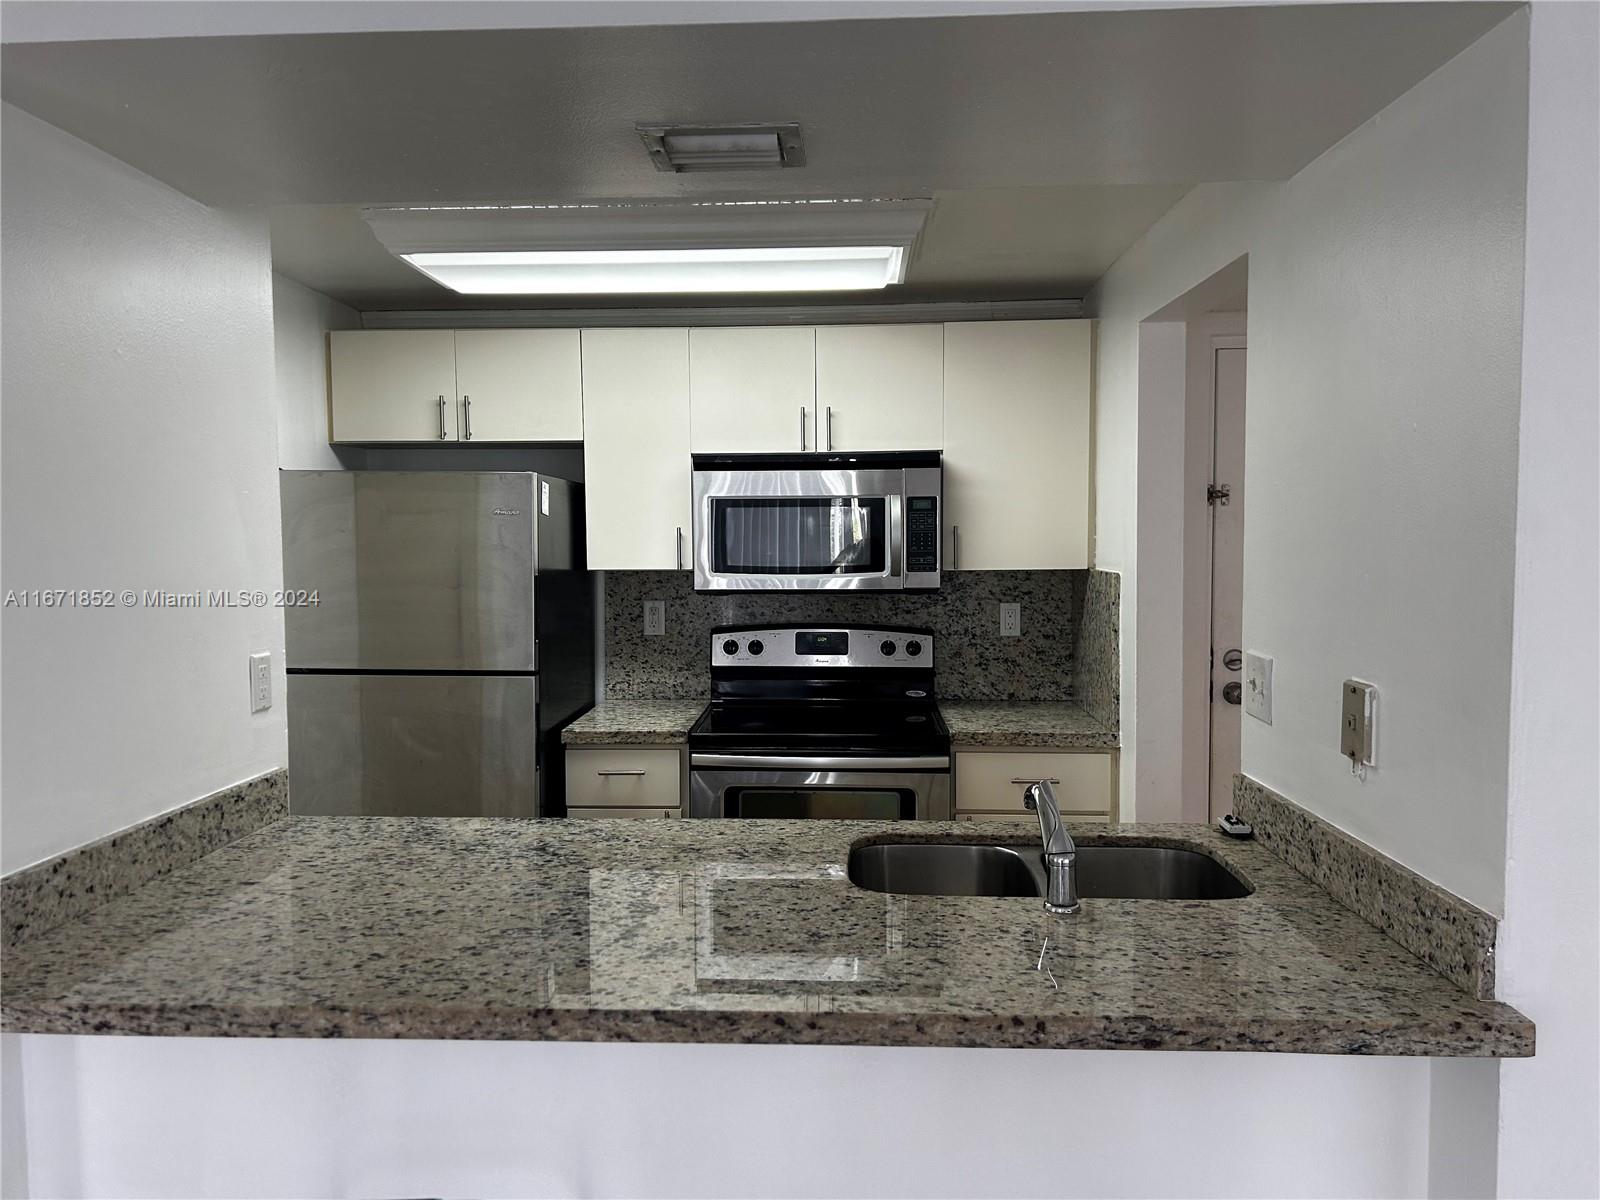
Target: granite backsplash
(974, 661)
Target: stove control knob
(755, 647)
(887, 648)
(913, 648)
(730, 647)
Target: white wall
(1139, 424)
(200, 1117)
(1384, 328)
(1548, 953)
(139, 449)
(301, 319)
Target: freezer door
(413, 745)
(411, 570)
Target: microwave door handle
(896, 534)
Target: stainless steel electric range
(821, 721)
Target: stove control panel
(822, 646)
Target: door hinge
(1218, 493)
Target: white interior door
(1227, 566)
(753, 391)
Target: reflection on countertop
(721, 931)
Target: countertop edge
(1513, 1038)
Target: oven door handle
(811, 762)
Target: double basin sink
(1104, 872)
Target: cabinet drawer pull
(635, 771)
(441, 419)
(1032, 781)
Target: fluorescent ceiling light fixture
(728, 269)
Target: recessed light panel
(723, 147)
(724, 269)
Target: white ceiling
(1049, 141)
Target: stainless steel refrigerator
(450, 639)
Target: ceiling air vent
(723, 147)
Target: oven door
(803, 787)
(799, 529)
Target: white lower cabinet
(990, 783)
(624, 781)
(620, 814)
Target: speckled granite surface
(974, 661)
(634, 722)
(736, 931)
(1452, 936)
(44, 895)
(993, 724)
(1097, 656)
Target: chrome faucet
(1060, 854)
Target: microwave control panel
(922, 533)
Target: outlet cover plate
(655, 618)
(1011, 620)
(1258, 686)
(260, 682)
(1358, 726)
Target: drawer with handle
(609, 777)
(992, 783)
(621, 814)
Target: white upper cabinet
(392, 385)
(636, 448)
(753, 390)
(519, 385)
(880, 387)
(1017, 398)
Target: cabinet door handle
(1030, 782)
(441, 419)
(679, 548)
(802, 427)
(466, 418)
(619, 771)
(830, 427)
(955, 547)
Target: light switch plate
(1011, 620)
(655, 618)
(260, 682)
(1258, 686)
(1358, 723)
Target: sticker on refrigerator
(544, 498)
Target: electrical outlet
(260, 682)
(1358, 726)
(655, 618)
(1011, 620)
(1258, 686)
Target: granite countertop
(634, 722)
(730, 931)
(996, 724)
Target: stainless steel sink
(1104, 872)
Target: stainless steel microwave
(801, 522)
